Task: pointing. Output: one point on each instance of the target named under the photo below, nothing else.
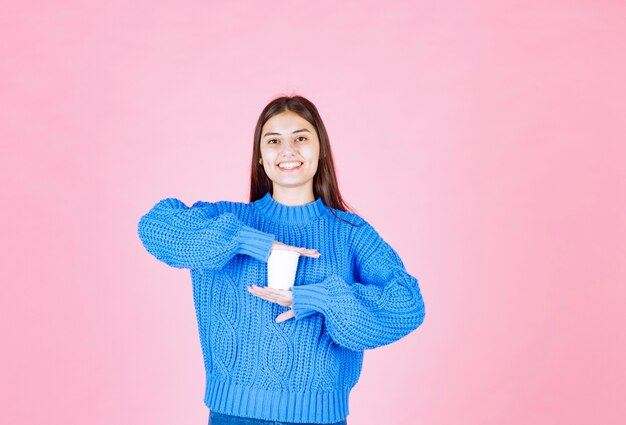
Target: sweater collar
(290, 214)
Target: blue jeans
(222, 419)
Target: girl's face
(290, 150)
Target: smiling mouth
(292, 165)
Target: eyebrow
(278, 134)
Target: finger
(278, 299)
(310, 252)
(285, 316)
(281, 298)
(280, 293)
(259, 292)
(264, 290)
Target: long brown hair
(325, 181)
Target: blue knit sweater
(357, 295)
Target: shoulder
(347, 217)
(360, 225)
(366, 241)
(220, 206)
(211, 209)
(361, 231)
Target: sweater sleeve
(198, 236)
(384, 305)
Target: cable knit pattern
(357, 295)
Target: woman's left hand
(278, 296)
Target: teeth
(289, 164)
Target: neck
(292, 196)
(280, 213)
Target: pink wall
(484, 139)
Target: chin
(290, 184)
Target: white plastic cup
(281, 268)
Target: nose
(288, 149)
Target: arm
(383, 306)
(198, 236)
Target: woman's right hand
(306, 252)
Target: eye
(272, 140)
(301, 137)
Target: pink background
(485, 140)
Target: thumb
(285, 316)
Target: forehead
(286, 122)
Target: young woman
(285, 355)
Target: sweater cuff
(255, 243)
(309, 299)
